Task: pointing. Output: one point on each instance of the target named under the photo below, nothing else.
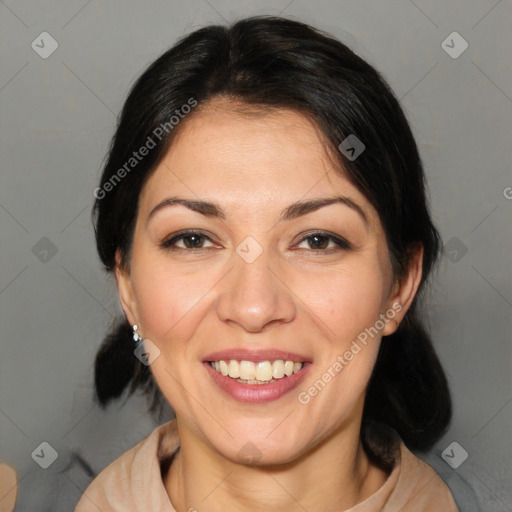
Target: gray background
(57, 117)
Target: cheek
(346, 305)
(346, 300)
(167, 300)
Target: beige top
(133, 482)
(8, 488)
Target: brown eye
(189, 240)
(320, 241)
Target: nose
(255, 296)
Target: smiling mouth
(262, 372)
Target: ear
(125, 290)
(405, 289)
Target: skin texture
(294, 296)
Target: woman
(264, 213)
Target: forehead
(248, 157)
(228, 133)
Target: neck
(334, 475)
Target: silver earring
(136, 336)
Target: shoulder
(412, 484)
(419, 488)
(133, 481)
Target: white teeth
(264, 371)
(256, 373)
(234, 369)
(223, 368)
(278, 369)
(247, 370)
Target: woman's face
(261, 280)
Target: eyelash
(340, 242)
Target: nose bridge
(252, 295)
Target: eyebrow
(295, 210)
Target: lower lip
(257, 393)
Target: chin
(258, 448)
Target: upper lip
(256, 356)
